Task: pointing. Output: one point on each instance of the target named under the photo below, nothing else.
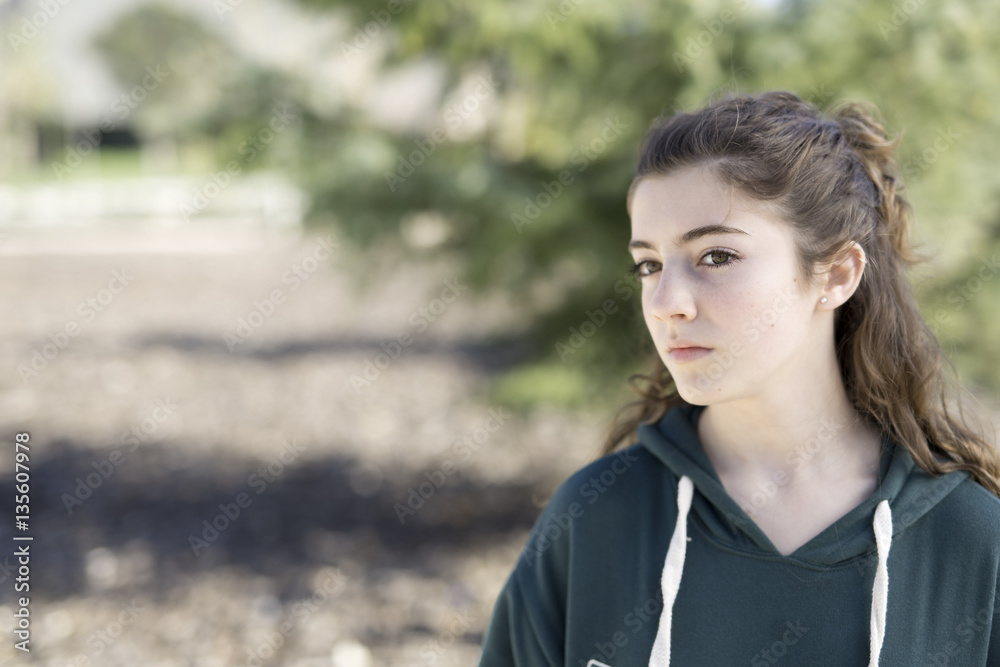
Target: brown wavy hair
(833, 177)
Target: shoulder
(627, 472)
(609, 495)
(975, 504)
(971, 515)
(597, 502)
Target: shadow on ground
(303, 516)
(487, 356)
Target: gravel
(200, 505)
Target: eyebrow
(691, 235)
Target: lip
(675, 343)
(683, 352)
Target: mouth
(682, 354)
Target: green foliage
(560, 74)
(564, 69)
(201, 86)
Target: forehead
(692, 197)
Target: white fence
(175, 214)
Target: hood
(910, 491)
(904, 494)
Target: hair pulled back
(834, 179)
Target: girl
(795, 489)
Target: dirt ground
(213, 495)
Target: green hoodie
(590, 584)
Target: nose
(673, 296)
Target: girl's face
(718, 274)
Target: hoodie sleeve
(528, 625)
(993, 651)
(513, 638)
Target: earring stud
(823, 300)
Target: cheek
(735, 309)
(773, 331)
(767, 319)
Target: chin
(710, 383)
(697, 401)
(699, 388)
(698, 395)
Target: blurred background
(303, 301)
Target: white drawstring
(673, 568)
(880, 590)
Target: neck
(802, 427)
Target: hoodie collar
(910, 491)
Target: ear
(843, 276)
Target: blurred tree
(520, 169)
(185, 81)
(565, 72)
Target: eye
(637, 270)
(720, 258)
(729, 257)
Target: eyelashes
(637, 269)
(732, 258)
